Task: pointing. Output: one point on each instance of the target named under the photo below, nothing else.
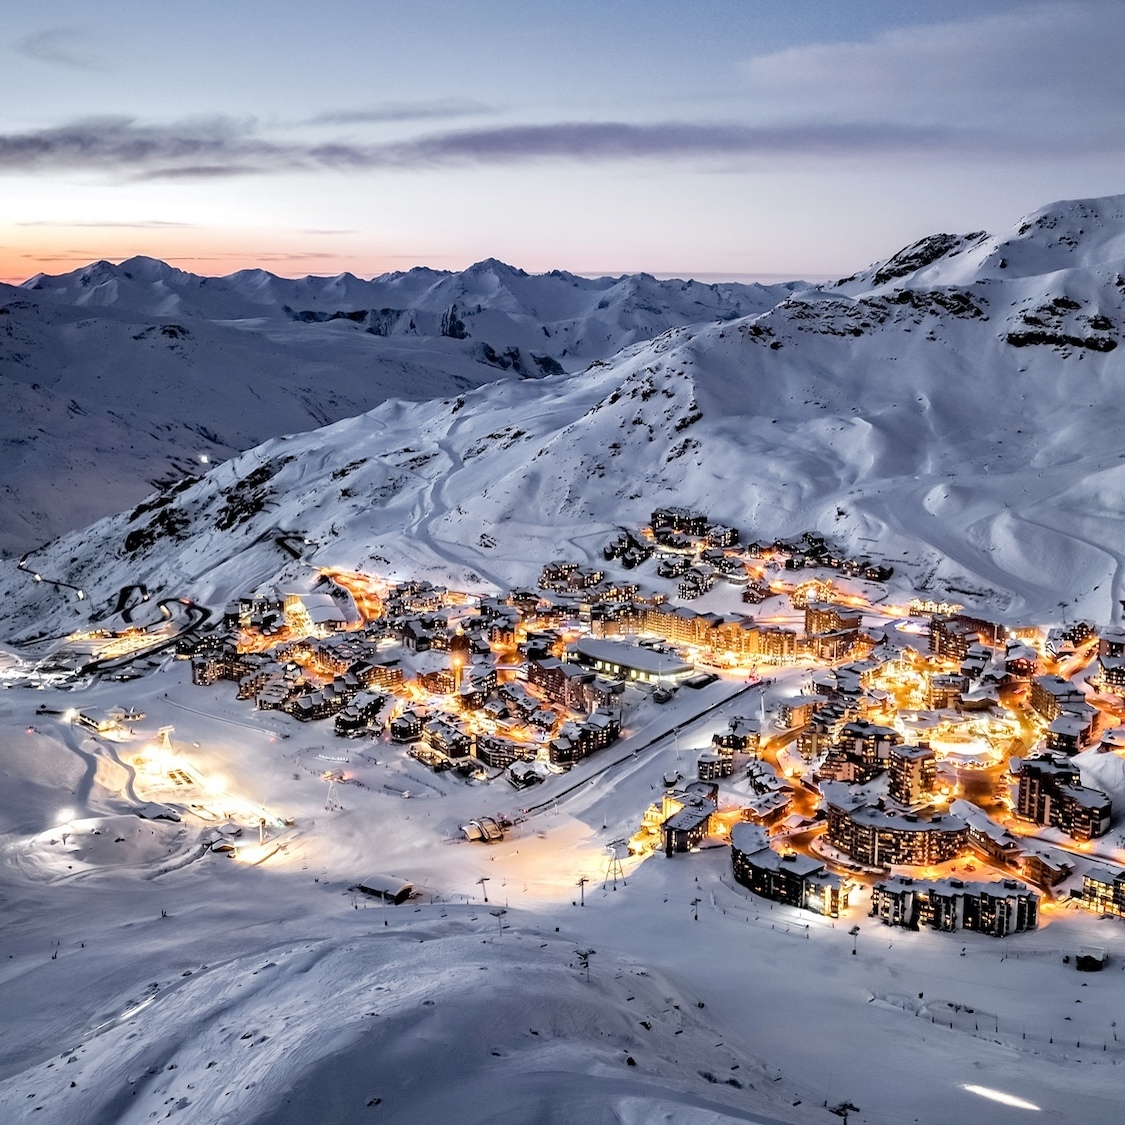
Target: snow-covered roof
(633, 657)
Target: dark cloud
(222, 147)
(389, 112)
(611, 140)
(59, 46)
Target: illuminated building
(632, 662)
(1062, 637)
(576, 740)
(912, 771)
(1051, 793)
(406, 727)
(948, 905)
(502, 752)
(711, 766)
(562, 683)
(688, 827)
(680, 520)
(877, 837)
(951, 634)
(1103, 891)
(1051, 695)
(860, 751)
(796, 880)
(828, 617)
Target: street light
(854, 931)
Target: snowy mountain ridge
(965, 430)
(121, 377)
(558, 314)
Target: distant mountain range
(118, 377)
(956, 410)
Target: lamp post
(854, 931)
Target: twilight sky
(723, 138)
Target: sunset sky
(724, 138)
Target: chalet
(388, 887)
(406, 727)
(446, 738)
(1047, 867)
(711, 766)
(756, 592)
(360, 715)
(518, 698)
(687, 828)
(502, 752)
(1061, 638)
(576, 740)
(679, 520)
(564, 577)
(742, 735)
(1019, 660)
(1109, 674)
(719, 535)
(948, 905)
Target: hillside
(120, 377)
(959, 420)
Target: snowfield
(183, 983)
(954, 412)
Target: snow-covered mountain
(118, 377)
(960, 419)
(557, 315)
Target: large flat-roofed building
(1007, 907)
(631, 662)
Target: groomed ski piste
(147, 977)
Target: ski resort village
(816, 758)
(913, 763)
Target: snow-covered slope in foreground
(967, 431)
(116, 377)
